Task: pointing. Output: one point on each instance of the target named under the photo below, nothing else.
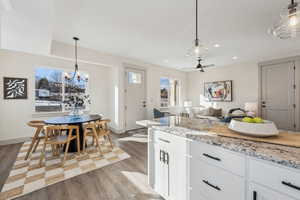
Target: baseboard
(117, 131)
(14, 141)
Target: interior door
(135, 97)
(278, 94)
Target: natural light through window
(134, 78)
(169, 92)
(51, 89)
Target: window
(169, 92)
(51, 89)
(134, 78)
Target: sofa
(206, 113)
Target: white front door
(135, 97)
(278, 94)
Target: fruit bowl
(264, 129)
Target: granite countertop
(197, 130)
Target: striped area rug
(27, 176)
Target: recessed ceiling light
(234, 57)
(216, 45)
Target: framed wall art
(218, 90)
(14, 88)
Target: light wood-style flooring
(124, 180)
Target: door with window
(278, 94)
(135, 97)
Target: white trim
(14, 141)
(136, 68)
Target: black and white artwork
(15, 88)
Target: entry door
(135, 97)
(278, 94)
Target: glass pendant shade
(289, 24)
(197, 51)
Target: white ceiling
(159, 30)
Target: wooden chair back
(36, 124)
(55, 130)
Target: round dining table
(73, 120)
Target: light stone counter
(197, 130)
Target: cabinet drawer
(214, 155)
(279, 178)
(168, 139)
(258, 192)
(215, 183)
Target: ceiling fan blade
(189, 69)
(211, 65)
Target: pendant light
(198, 49)
(76, 72)
(289, 24)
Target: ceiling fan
(199, 66)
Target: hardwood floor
(124, 180)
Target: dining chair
(104, 130)
(38, 135)
(96, 130)
(58, 136)
(90, 130)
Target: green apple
(248, 120)
(258, 120)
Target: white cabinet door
(169, 169)
(161, 170)
(178, 173)
(258, 192)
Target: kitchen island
(185, 161)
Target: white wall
(24, 30)
(245, 84)
(106, 85)
(16, 113)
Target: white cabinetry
(213, 175)
(167, 165)
(180, 169)
(285, 181)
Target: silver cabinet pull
(163, 140)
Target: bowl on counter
(264, 129)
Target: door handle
(167, 158)
(161, 156)
(254, 195)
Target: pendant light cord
(196, 21)
(75, 52)
(76, 64)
